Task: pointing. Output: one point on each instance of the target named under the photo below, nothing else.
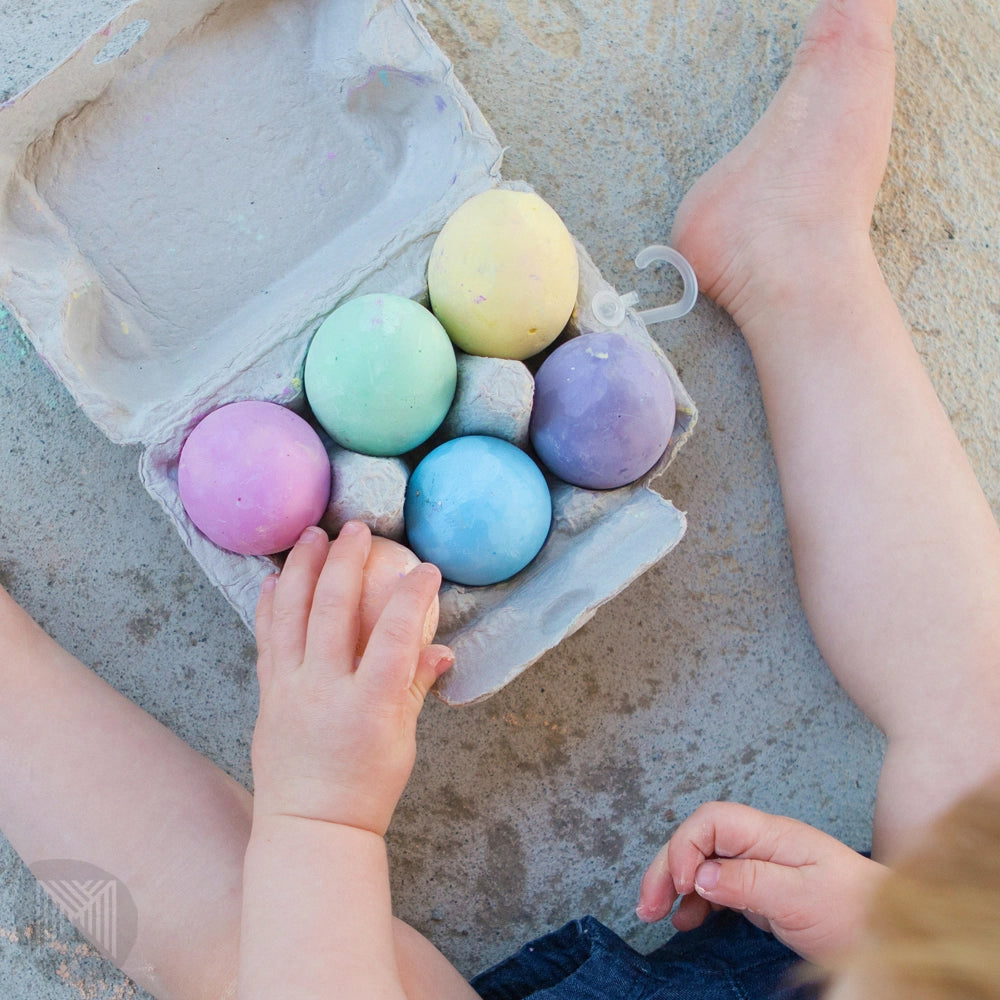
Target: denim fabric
(727, 958)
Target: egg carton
(188, 195)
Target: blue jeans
(727, 958)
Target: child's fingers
(391, 658)
(262, 627)
(814, 908)
(770, 890)
(692, 912)
(730, 830)
(333, 623)
(431, 664)
(657, 893)
(293, 598)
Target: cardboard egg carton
(186, 198)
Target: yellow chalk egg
(503, 275)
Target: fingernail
(352, 527)
(310, 535)
(446, 662)
(707, 876)
(269, 583)
(428, 569)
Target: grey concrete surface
(701, 680)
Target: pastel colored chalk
(252, 476)
(604, 411)
(479, 508)
(503, 274)
(493, 397)
(380, 374)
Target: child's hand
(334, 739)
(807, 888)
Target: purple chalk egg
(253, 476)
(604, 411)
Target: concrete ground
(701, 680)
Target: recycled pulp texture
(176, 222)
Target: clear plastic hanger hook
(610, 308)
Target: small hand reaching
(335, 736)
(804, 886)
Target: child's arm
(171, 826)
(333, 749)
(802, 885)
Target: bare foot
(801, 186)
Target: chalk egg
(604, 411)
(380, 374)
(388, 562)
(253, 476)
(503, 275)
(479, 508)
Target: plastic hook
(609, 308)
(685, 303)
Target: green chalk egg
(380, 374)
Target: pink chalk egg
(388, 562)
(252, 476)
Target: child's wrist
(269, 822)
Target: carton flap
(171, 215)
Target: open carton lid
(171, 215)
(184, 200)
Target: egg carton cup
(187, 196)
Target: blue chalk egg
(478, 508)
